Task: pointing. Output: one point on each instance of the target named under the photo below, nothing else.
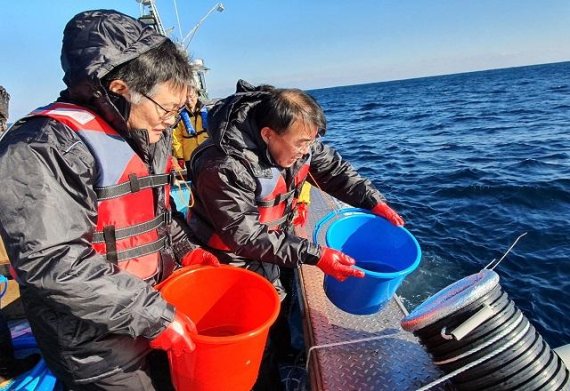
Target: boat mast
(151, 18)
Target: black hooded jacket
(87, 316)
(225, 189)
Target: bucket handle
(175, 273)
(330, 215)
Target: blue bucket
(386, 254)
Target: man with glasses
(86, 212)
(264, 143)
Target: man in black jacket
(85, 208)
(264, 144)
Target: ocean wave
(561, 87)
(471, 161)
(371, 106)
(534, 195)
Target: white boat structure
(151, 17)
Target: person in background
(4, 103)
(245, 180)
(4, 112)
(85, 213)
(10, 367)
(191, 130)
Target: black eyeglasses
(167, 113)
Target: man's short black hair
(283, 106)
(164, 63)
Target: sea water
(227, 330)
(377, 266)
(471, 161)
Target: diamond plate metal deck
(394, 362)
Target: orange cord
(329, 199)
(180, 183)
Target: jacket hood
(95, 43)
(231, 123)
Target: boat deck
(381, 356)
(384, 356)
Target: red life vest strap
(133, 185)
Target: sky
(305, 44)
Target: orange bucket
(233, 309)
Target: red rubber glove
(182, 164)
(302, 214)
(200, 256)
(338, 265)
(176, 338)
(383, 210)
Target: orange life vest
(127, 230)
(275, 202)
